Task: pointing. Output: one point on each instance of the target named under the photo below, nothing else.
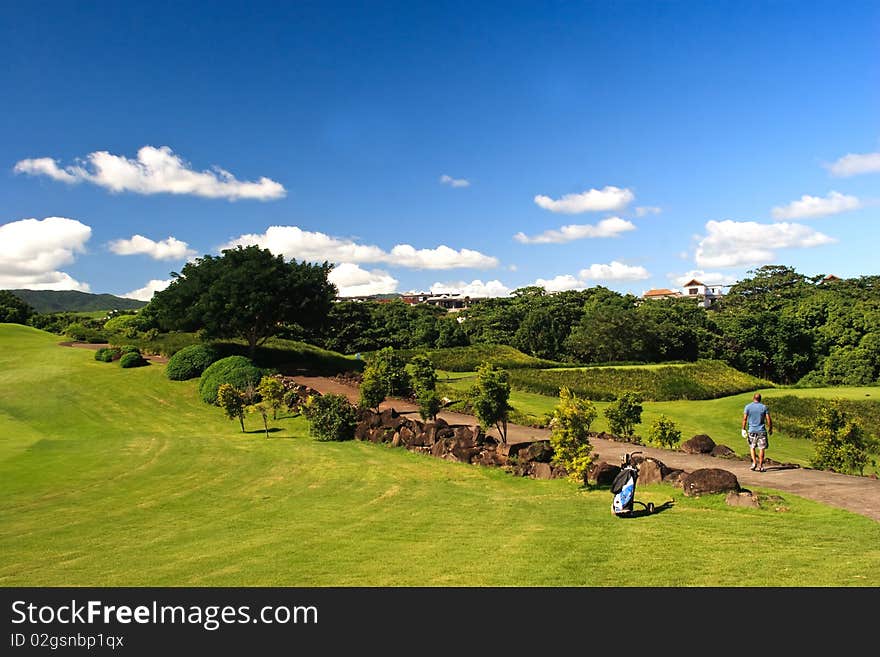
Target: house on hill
(661, 293)
(705, 295)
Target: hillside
(53, 301)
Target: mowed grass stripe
(133, 481)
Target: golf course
(121, 477)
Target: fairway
(114, 477)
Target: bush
(570, 434)
(131, 359)
(190, 362)
(129, 349)
(331, 417)
(107, 354)
(123, 325)
(624, 414)
(80, 333)
(237, 371)
(429, 403)
(840, 444)
(664, 433)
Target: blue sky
(457, 146)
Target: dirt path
(857, 494)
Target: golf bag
(624, 488)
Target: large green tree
(13, 309)
(247, 292)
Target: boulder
(362, 430)
(558, 472)
(390, 418)
(723, 452)
(652, 471)
(699, 444)
(742, 498)
(541, 470)
(490, 458)
(674, 477)
(539, 451)
(602, 473)
(709, 480)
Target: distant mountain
(53, 301)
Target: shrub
(271, 392)
(129, 349)
(237, 371)
(664, 433)
(107, 354)
(79, 332)
(570, 434)
(331, 417)
(489, 398)
(124, 325)
(624, 414)
(232, 402)
(840, 444)
(190, 362)
(373, 388)
(429, 403)
(131, 359)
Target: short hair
(757, 396)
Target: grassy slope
(121, 477)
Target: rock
(539, 451)
(558, 472)
(391, 418)
(396, 440)
(405, 435)
(362, 430)
(709, 480)
(603, 473)
(674, 477)
(541, 470)
(742, 498)
(490, 458)
(699, 444)
(651, 471)
(723, 452)
(442, 447)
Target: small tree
(624, 414)
(373, 388)
(271, 391)
(232, 401)
(331, 417)
(261, 409)
(391, 369)
(840, 444)
(422, 374)
(490, 397)
(664, 433)
(429, 404)
(570, 434)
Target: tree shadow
(271, 430)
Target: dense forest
(776, 324)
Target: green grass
(112, 477)
(467, 359)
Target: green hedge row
(705, 379)
(468, 359)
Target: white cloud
(293, 242)
(475, 288)
(146, 292)
(614, 271)
(733, 243)
(816, 206)
(593, 200)
(454, 182)
(45, 166)
(168, 249)
(610, 227)
(32, 250)
(707, 277)
(644, 210)
(353, 281)
(561, 283)
(155, 171)
(854, 164)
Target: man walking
(756, 426)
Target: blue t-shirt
(756, 412)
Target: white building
(705, 295)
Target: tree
(331, 417)
(247, 293)
(664, 433)
(490, 397)
(391, 369)
(423, 374)
(570, 434)
(372, 388)
(232, 401)
(624, 414)
(840, 444)
(13, 310)
(429, 403)
(271, 391)
(261, 409)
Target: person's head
(757, 396)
